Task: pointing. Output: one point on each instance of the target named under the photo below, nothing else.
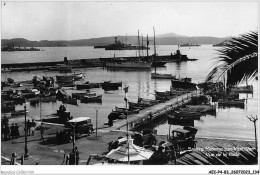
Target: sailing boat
(156, 75)
(126, 63)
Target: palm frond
(239, 59)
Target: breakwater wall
(78, 63)
(46, 65)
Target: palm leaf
(238, 60)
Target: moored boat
(7, 108)
(79, 96)
(33, 100)
(231, 102)
(162, 76)
(126, 111)
(74, 76)
(148, 101)
(88, 85)
(165, 93)
(162, 98)
(120, 113)
(49, 99)
(158, 63)
(140, 104)
(202, 108)
(108, 85)
(19, 112)
(70, 100)
(187, 113)
(89, 99)
(184, 83)
(67, 84)
(242, 89)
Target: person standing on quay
(42, 131)
(12, 131)
(77, 155)
(28, 127)
(33, 125)
(7, 132)
(16, 131)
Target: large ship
(136, 63)
(118, 45)
(224, 43)
(189, 45)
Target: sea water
(227, 123)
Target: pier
(153, 112)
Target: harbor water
(227, 123)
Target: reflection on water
(229, 122)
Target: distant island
(13, 48)
(166, 39)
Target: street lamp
(127, 135)
(97, 120)
(26, 154)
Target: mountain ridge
(163, 39)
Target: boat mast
(142, 45)
(154, 42)
(138, 44)
(154, 48)
(147, 47)
(41, 110)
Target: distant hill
(169, 35)
(165, 39)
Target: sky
(83, 20)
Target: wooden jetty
(153, 111)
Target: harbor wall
(94, 62)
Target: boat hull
(162, 76)
(158, 63)
(243, 89)
(72, 76)
(133, 65)
(183, 84)
(19, 112)
(86, 99)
